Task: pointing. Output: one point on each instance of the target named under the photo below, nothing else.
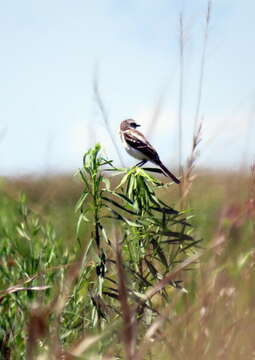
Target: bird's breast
(132, 151)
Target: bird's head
(127, 124)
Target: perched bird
(139, 147)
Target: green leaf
(81, 218)
(81, 201)
(122, 197)
(118, 205)
(159, 252)
(165, 210)
(176, 235)
(152, 268)
(123, 181)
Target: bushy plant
(130, 242)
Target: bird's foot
(141, 163)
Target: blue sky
(49, 52)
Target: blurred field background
(214, 320)
(199, 115)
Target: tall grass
(107, 280)
(50, 287)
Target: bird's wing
(137, 140)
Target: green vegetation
(97, 264)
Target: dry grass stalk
(156, 113)
(189, 176)
(129, 336)
(17, 288)
(37, 329)
(84, 344)
(148, 338)
(252, 185)
(180, 107)
(202, 65)
(58, 304)
(105, 117)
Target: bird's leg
(141, 163)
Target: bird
(139, 147)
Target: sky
(52, 50)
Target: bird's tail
(167, 172)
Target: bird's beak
(137, 125)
